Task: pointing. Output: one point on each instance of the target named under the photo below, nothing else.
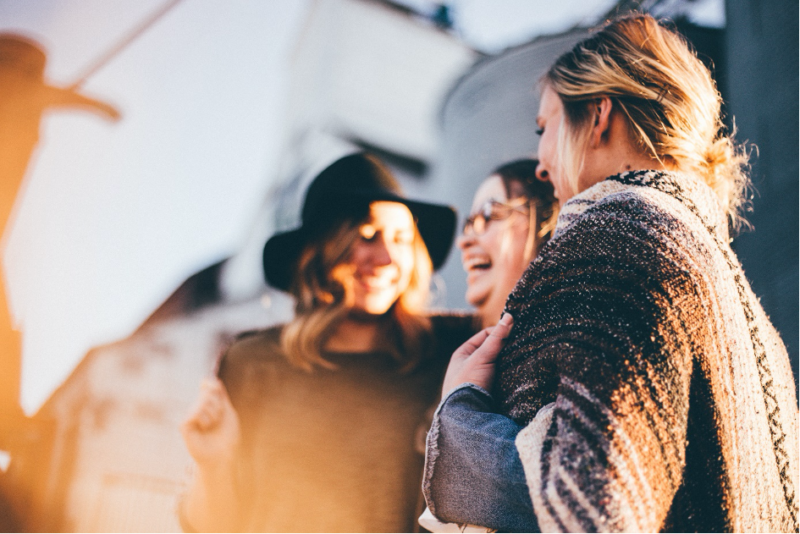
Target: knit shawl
(655, 392)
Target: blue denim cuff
(470, 395)
(473, 473)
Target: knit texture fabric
(333, 450)
(670, 401)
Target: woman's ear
(602, 121)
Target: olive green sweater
(333, 450)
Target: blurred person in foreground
(25, 96)
(639, 384)
(318, 425)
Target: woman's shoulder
(267, 335)
(251, 363)
(656, 199)
(253, 347)
(255, 339)
(622, 200)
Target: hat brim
(280, 256)
(436, 224)
(64, 97)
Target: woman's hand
(212, 431)
(212, 434)
(474, 360)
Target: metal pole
(124, 42)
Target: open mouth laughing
(477, 263)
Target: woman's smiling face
(382, 259)
(495, 259)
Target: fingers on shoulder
(209, 407)
(470, 346)
(503, 327)
(477, 340)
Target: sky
(114, 216)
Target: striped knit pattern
(655, 392)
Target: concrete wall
(762, 92)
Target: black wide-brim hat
(344, 191)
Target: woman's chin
(477, 297)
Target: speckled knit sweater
(655, 393)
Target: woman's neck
(615, 152)
(354, 335)
(491, 310)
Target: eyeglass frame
(486, 214)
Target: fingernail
(506, 318)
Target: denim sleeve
(473, 473)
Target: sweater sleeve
(607, 317)
(246, 369)
(473, 474)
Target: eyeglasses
(493, 210)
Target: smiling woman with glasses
(493, 210)
(513, 214)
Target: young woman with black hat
(317, 425)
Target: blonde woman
(642, 383)
(313, 426)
